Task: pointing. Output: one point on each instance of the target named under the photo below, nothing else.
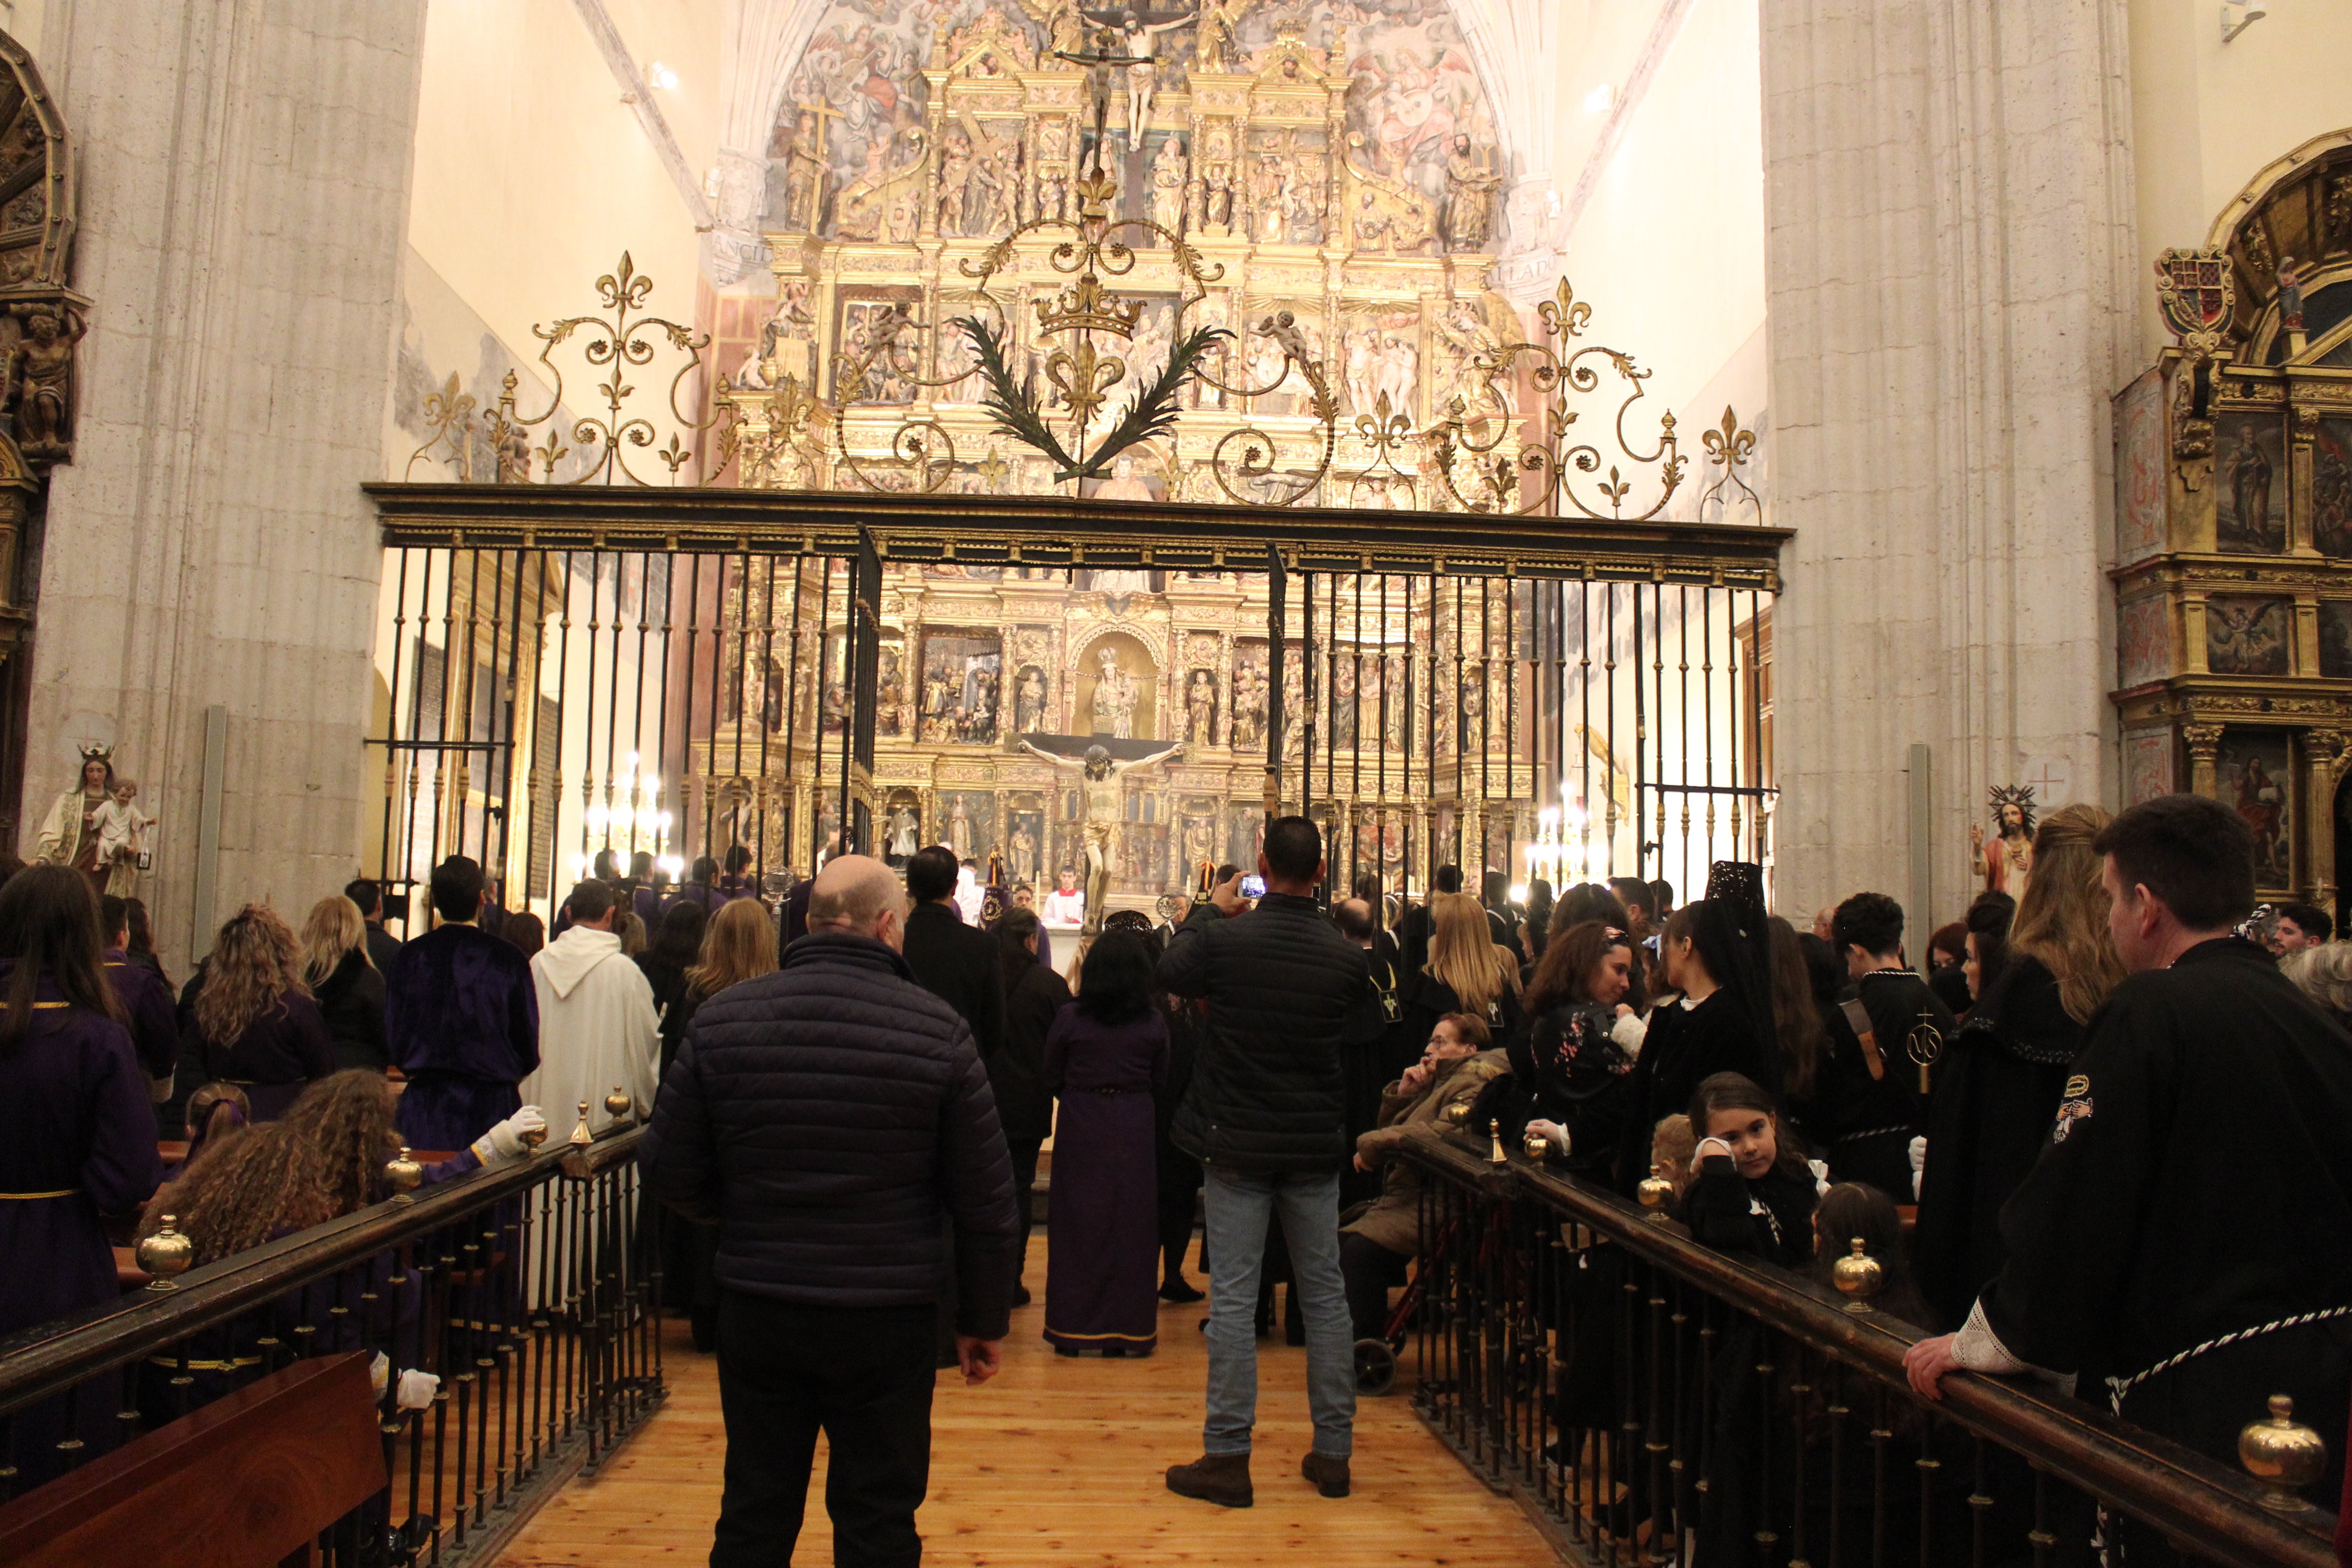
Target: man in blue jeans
(1265, 1117)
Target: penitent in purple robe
(461, 1015)
(77, 1140)
(1102, 1257)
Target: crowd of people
(2039, 1135)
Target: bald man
(833, 1120)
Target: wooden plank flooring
(1059, 1461)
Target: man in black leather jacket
(1265, 1117)
(834, 1120)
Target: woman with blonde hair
(344, 983)
(2001, 1076)
(2324, 974)
(1466, 970)
(253, 1023)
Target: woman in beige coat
(1376, 1244)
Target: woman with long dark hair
(1033, 996)
(77, 1130)
(1571, 1069)
(252, 1022)
(1718, 1018)
(676, 945)
(1106, 1057)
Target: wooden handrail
(48, 1360)
(2217, 1512)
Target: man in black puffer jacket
(829, 1118)
(1265, 1116)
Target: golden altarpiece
(2234, 524)
(1097, 418)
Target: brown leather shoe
(1220, 1478)
(1329, 1474)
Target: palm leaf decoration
(1153, 412)
(1015, 407)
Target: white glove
(416, 1390)
(1918, 1165)
(1630, 1032)
(504, 1141)
(1552, 1131)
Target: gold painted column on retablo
(2204, 742)
(2192, 636)
(2303, 428)
(2307, 635)
(2321, 750)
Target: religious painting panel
(902, 825)
(960, 681)
(1250, 695)
(1117, 688)
(874, 330)
(1143, 856)
(1197, 822)
(2250, 473)
(2247, 635)
(1379, 350)
(2256, 775)
(957, 362)
(2148, 765)
(967, 822)
(832, 702)
(2140, 469)
(1025, 842)
(1414, 101)
(2331, 488)
(1286, 178)
(2336, 638)
(2143, 651)
(847, 126)
(1262, 360)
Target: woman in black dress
(1718, 1018)
(1571, 1069)
(1033, 996)
(344, 983)
(1467, 970)
(677, 944)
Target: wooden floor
(1059, 1460)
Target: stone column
(1950, 278)
(244, 201)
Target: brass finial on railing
(405, 1174)
(2284, 1452)
(1495, 1133)
(1656, 1194)
(1859, 1277)
(581, 1137)
(618, 1104)
(166, 1254)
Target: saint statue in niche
(903, 830)
(2008, 861)
(959, 829)
(1029, 701)
(1200, 709)
(1116, 692)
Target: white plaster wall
(1949, 269)
(532, 176)
(1669, 249)
(245, 175)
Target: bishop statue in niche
(1115, 693)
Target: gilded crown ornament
(166, 1255)
(1859, 1277)
(1086, 304)
(2284, 1452)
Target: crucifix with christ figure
(1128, 41)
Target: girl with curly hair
(253, 1022)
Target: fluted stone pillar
(245, 180)
(1950, 283)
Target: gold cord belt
(30, 1197)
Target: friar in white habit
(597, 1027)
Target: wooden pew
(250, 1479)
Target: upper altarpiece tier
(1325, 192)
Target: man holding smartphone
(1265, 1117)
